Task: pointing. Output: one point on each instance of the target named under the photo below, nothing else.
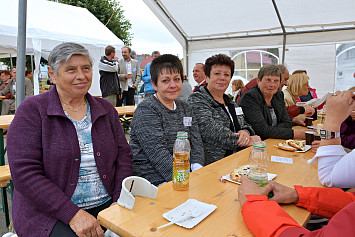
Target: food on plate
(296, 144)
(286, 147)
(236, 174)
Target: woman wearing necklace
(67, 152)
(221, 122)
(158, 119)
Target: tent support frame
(283, 31)
(178, 29)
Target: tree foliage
(106, 11)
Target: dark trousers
(127, 96)
(60, 229)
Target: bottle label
(180, 176)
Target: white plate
(306, 148)
(188, 207)
(228, 178)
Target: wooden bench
(5, 181)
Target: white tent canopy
(51, 23)
(306, 30)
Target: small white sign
(187, 121)
(238, 111)
(282, 159)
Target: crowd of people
(8, 89)
(69, 158)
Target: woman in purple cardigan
(67, 152)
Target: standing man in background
(108, 67)
(148, 87)
(129, 76)
(199, 75)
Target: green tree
(109, 12)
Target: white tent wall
(207, 27)
(318, 61)
(51, 23)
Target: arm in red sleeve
(324, 202)
(266, 218)
(294, 110)
(341, 224)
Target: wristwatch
(325, 134)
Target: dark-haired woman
(221, 122)
(156, 122)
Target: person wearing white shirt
(129, 75)
(335, 166)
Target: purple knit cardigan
(44, 158)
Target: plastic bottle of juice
(258, 162)
(181, 165)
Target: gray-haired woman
(67, 152)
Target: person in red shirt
(264, 217)
(5, 76)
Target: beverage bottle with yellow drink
(258, 162)
(181, 165)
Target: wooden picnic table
(205, 186)
(5, 121)
(126, 110)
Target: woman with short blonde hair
(297, 86)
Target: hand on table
(283, 194)
(308, 110)
(248, 187)
(301, 121)
(244, 138)
(84, 224)
(315, 146)
(253, 139)
(300, 133)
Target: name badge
(239, 111)
(187, 121)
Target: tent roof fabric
(210, 19)
(53, 23)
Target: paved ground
(3, 228)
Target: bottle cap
(259, 144)
(182, 135)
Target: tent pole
(283, 30)
(11, 62)
(32, 63)
(179, 30)
(283, 49)
(21, 51)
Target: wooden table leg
(5, 206)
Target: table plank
(126, 110)
(5, 121)
(205, 186)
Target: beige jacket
(10, 88)
(289, 100)
(122, 71)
